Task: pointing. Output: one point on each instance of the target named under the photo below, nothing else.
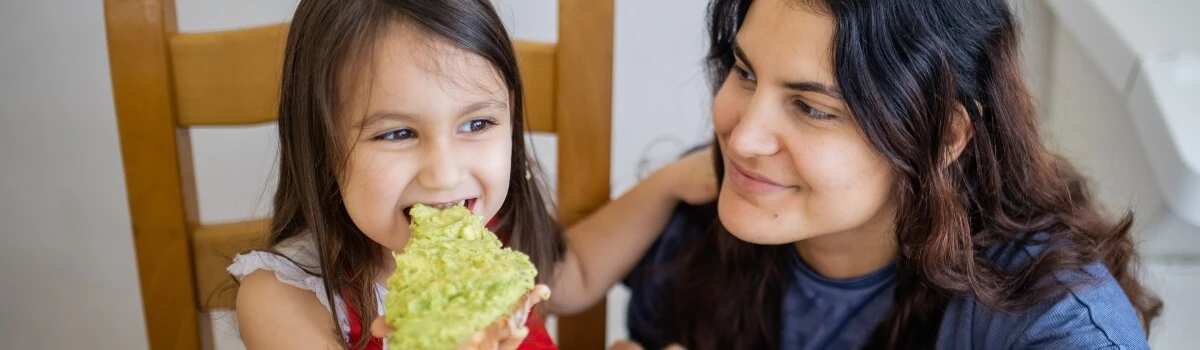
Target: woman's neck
(850, 254)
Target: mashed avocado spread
(452, 280)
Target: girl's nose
(440, 168)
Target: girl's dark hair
(904, 67)
(326, 37)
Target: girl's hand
(501, 334)
(691, 179)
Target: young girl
(386, 104)
(882, 185)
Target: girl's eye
(397, 135)
(476, 125)
(743, 74)
(813, 112)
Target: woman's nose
(755, 133)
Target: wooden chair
(165, 82)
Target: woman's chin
(749, 225)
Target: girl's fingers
(539, 293)
(514, 338)
(499, 335)
(380, 328)
(625, 345)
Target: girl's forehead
(410, 51)
(416, 72)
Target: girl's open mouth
(469, 203)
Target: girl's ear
(960, 134)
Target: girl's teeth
(465, 203)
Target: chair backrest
(165, 82)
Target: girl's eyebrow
(482, 105)
(388, 115)
(382, 116)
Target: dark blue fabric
(820, 313)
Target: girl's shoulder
(281, 295)
(294, 261)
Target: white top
(302, 250)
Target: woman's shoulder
(650, 281)
(1091, 312)
(683, 230)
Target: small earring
(528, 175)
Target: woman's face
(796, 164)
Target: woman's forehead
(788, 40)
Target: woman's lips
(751, 182)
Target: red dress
(538, 338)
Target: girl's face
(796, 164)
(425, 122)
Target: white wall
(67, 273)
(1036, 22)
(1089, 123)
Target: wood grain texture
(214, 246)
(159, 207)
(536, 63)
(228, 77)
(583, 121)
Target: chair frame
(165, 82)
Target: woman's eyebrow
(812, 86)
(802, 86)
(741, 55)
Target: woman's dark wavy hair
(904, 68)
(325, 38)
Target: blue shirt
(823, 313)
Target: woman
(882, 185)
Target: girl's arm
(275, 315)
(602, 248)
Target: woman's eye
(397, 135)
(475, 126)
(813, 112)
(743, 74)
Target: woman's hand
(691, 179)
(502, 334)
